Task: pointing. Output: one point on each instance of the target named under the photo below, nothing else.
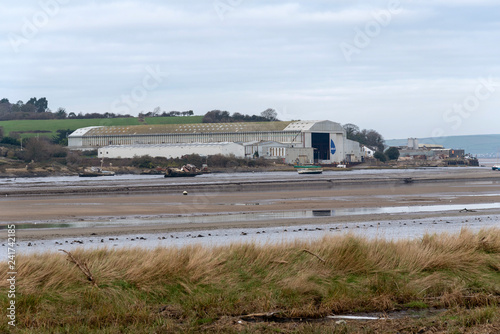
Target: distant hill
(484, 146)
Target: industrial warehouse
(292, 142)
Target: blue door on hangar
(321, 144)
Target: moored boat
(496, 167)
(309, 169)
(95, 172)
(185, 171)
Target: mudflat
(133, 199)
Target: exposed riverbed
(150, 211)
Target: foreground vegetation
(209, 289)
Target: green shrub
(10, 141)
(392, 153)
(380, 156)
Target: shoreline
(151, 239)
(324, 182)
(134, 209)
(338, 224)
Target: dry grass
(192, 288)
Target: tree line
(369, 138)
(38, 109)
(373, 140)
(218, 116)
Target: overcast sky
(404, 68)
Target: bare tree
(270, 114)
(41, 149)
(351, 130)
(156, 112)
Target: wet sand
(130, 200)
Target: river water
(129, 179)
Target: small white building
(171, 150)
(351, 150)
(275, 150)
(265, 149)
(367, 152)
(299, 155)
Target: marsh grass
(193, 288)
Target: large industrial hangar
(297, 141)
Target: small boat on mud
(95, 172)
(309, 169)
(496, 167)
(185, 171)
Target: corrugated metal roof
(82, 131)
(267, 143)
(314, 126)
(182, 128)
(295, 126)
(171, 145)
(300, 125)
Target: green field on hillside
(31, 128)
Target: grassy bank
(48, 128)
(196, 288)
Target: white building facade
(367, 152)
(171, 150)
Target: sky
(406, 68)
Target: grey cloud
(279, 54)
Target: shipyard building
(292, 142)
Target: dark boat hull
(182, 174)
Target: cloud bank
(404, 68)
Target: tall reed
(196, 285)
